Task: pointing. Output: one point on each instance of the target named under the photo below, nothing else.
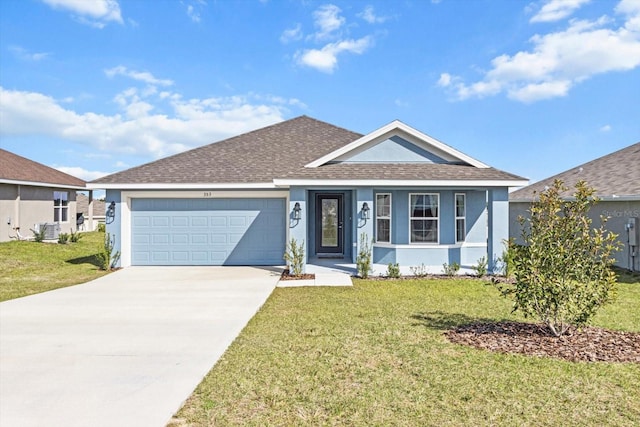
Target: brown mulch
(286, 276)
(589, 344)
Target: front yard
(28, 268)
(375, 354)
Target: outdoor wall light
(110, 214)
(365, 211)
(296, 211)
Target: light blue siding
(114, 227)
(207, 231)
(395, 150)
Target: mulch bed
(589, 344)
(286, 276)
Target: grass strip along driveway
(27, 267)
(375, 354)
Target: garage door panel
(208, 231)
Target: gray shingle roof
(18, 168)
(617, 174)
(281, 151)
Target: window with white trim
(60, 206)
(383, 217)
(424, 217)
(461, 215)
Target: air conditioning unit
(52, 230)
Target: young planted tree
(563, 271)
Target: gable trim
(396, 125)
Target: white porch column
(90, 224)
(498, 212)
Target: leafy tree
(562, 272)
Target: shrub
(75, 237)
(563, 272)
(102, 228)
(451, 269)
(419, 271)
(39, 235)
(295, 257)
(481, 267)
(107, 259)
(393, 270)
(364, 262)
(506, 260)
(63, 238)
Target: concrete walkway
(123, 350)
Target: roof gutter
(192, 186)
(42, 184)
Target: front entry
(329, 224)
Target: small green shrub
(75, 236)
(451, 269)
(39, 235)
(63, 238)
(364, 261)
(419, 271)
(102, 228)
(393, 270)
(295, 257)
(507, 259)
(108, 259)
(481, 267)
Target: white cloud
(605, 128)
(327, 20)
(25, 55)
(96, 13)
(82, 173)
(291, 34)
(326, 58)
(142, 76)
(191, 122)
(555, 10)
(370, 16)
(559, 60)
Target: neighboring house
(239, 201)
(97, 212)
(32, 194)
(616, 179)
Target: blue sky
(92, 87)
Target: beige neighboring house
(616, 178)
(82, 208)
(32, 194)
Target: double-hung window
(461, 214)
(383, 217)
(424, 217)
(60, 206)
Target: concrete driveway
(123, 350)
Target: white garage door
(208, 231)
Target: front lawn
(28, 268)
(375, 354)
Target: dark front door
(329, 224)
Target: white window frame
(384, 217)
(436, 218)
(58, 209)
(458, 218)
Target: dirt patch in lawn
(589, 344)
(287, 276)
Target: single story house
(241, 200)
(90, 208)
(616, 179)
(32, 194)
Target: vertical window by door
(60, 206)
(424, 217)
(383, 218)
(461, 214)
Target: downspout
(16, 223)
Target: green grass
(375, 354)
(28, 268)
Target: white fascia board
(167, 186)
(397, 183)
(200, 194)
(396, 125)
(42, 184)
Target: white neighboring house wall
(619, 213)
